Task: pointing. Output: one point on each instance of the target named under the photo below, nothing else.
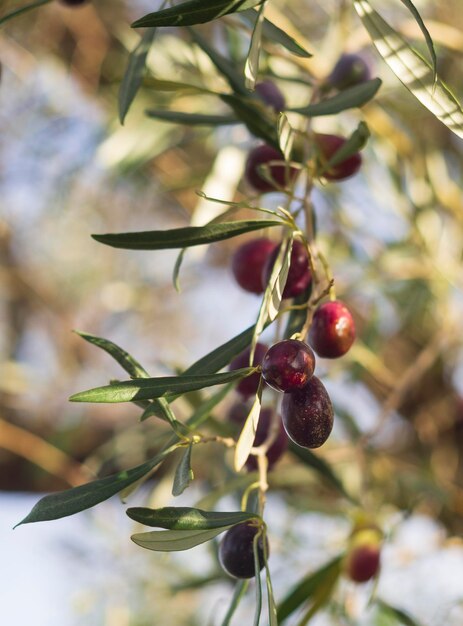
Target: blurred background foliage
(393, 236)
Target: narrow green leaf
(232, 75)
(272, 609)
(321, 595)
(183, 237)
(194, 12)
(356, 142)
(125, 360)
(427, 36)
(277, 35)
(251, 68)
(274, 291)
(258, 118)
(133, 76)
(175, 540)
(411, 69)
(310, 459)
(187, 518)
(204, 410)
(221, 356)
(148, 388)
(64, 503)
(401, 616)
(349, 98)
(240, 590)
(285, 136)
(255, 547)
(297, 317)
(161, 84)
(248, 434)
(191, 119)
(23, 9)
(305, 590)
(183, 474)
(177, 267)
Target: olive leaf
(349, 98)
(191, 119)
(251, 68)
(187, 518)
(305, 590)
(248, 433)
(194, 12)
(183, 237)
(133, 76)
(71, 501)
(149, 388)
(183, 474)
(175, 540)
(274, 33)
(411, 69)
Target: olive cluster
(288, 366)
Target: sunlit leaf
(248, 433)
(183, 474)
(429, 42)
(277, 35)
(285, 136)
(187, 518)
(148, 388)
(175, 540)
(251, 68)
(183, 237)
(133, 76)
(194, 12)
(273, 294)
(411, 69)
(349, 98)
(191, 119)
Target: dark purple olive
(288, 365)
(271, 95)
(350, 70)
(278, 175)
(248, 262)
(307, 414)
(236, 551)
(363, 562)
(327, 146)
(332, 331)
(299, 276)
